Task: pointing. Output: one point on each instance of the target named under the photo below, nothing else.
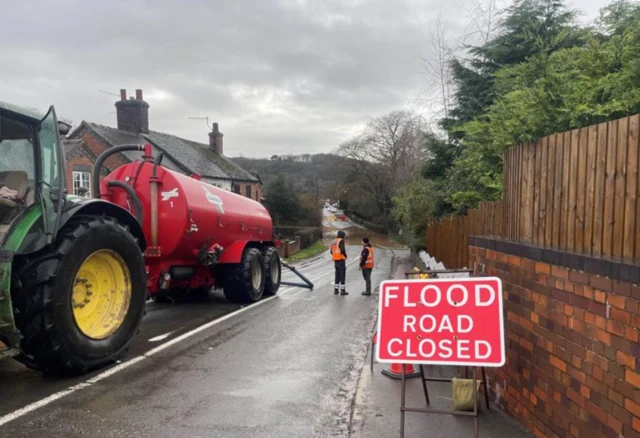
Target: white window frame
(81, 179)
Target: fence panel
(575, 191)
(590, 198)
(630, 217)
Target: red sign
(452, 321)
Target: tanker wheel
(81, 300)
(272, 269)
(244, 282)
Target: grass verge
(313, 250)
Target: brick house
(89, 140)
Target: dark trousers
(366, 273)
(341, 272)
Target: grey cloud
(279, 76)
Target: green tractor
(72, 273)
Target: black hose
(156, 163)
(95, 177)
(134, 197)
(308, 285)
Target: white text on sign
(442, 321)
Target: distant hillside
(300, 171)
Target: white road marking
(124, 365)
(161, 337)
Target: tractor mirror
(63, 128)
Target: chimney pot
(133, 113)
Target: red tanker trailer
(197, 235)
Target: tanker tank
(197, 235)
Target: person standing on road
(366, 264)
(339, 255)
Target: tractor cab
(30, 167)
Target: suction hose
(95, 177)
(134, 197)
(307, 283)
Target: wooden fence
(575, 191)
(447, 239)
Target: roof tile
(196, 157)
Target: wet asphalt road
(285, 368)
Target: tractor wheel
(82, 300)
(244, 281)
(272, 269)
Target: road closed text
(453, 321)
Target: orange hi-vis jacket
(369, 263)
(335, 250)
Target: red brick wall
(97, 147)
(572, 349)
(256, 190)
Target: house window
(81, 181)
(235, 188)
(248, 191)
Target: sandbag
(463, 393)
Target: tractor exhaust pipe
(95, 176)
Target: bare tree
(384, 156)
(441, 49)
(483, 19)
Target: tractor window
(17, 169)
(16, 147)
(17, 163)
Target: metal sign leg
(424, 385)
(402, 399)
(475, 402)
(486, 388)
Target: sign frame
(418, 361)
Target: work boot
(344, 292)
(336, 291)
(365, 293)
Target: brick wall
(96, 146)
(289, 247)
(573, 367)
(256, 190)
(72, 164)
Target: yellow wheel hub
(101, 294)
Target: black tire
(273, 271)
(52, 341)
(238, 285)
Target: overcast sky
(279, 76)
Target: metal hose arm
(95, 176)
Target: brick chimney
(133, 114)
(215, 140)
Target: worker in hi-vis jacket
(366, 264)
(339, 256)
